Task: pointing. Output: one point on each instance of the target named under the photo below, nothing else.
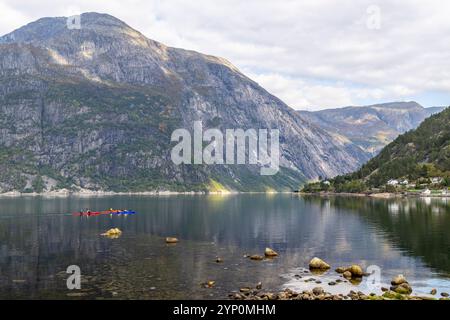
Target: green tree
(38, 184)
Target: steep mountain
(420, 153)
(371, 127)
(95, 108)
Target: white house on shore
(436, 180)
(426, 192)
(393, 182)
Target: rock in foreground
(400, 285)
(270, 253)
(318, 264)
(318, 293)
(171, 240)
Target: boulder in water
(341, 269)
(356, 271)
(347, 275)
(403, 288)
(171, 240)
(270, 253)
(318, 264)
(398, 280)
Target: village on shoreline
(424, 187)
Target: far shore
(384, 195)
(64, 193)
(91, 193)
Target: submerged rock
(76, 294)
(256, 257)
(355, 281)
(318, 264)
(209, 284)
(112, 233)
(433, 292)
(270, 253)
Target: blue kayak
(127, 212)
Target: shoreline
(319, 294)
(64, 193)
(384, 195)
(90, 193)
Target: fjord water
(39, 239)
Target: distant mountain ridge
(371, 127)
(94, 108)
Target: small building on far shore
(436, 180)
(393, 182)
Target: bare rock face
(94, 109)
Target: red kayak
(87, 213)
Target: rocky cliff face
(371, 127)
(95, 107)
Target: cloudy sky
(313, 54)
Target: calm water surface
(39, 239)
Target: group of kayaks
(89, 213)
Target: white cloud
(310, 53)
